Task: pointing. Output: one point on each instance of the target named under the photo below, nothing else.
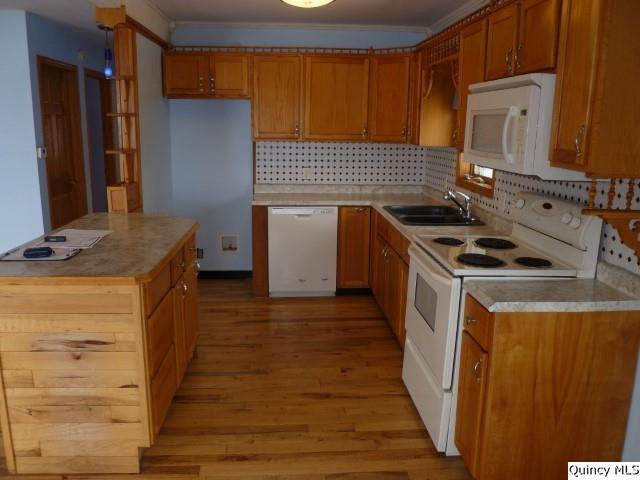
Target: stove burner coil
(450, 241)
(479, 260)
(497, 243)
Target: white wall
(20, 206)
(211, 152)
(155, 134)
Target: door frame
(77, 143)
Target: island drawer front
(190, 254)
(177, 266)
(160, 331)
(478, 321)
(156, 289)
(163, 387)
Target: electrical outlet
(307, 173)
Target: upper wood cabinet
(185, 75)
(202, 75)
(354, 228)
(473, 44)
(336, 97)
(277, 82)
(389, 98)
(597, 110)
(522, 38)
(229, 75)
(438, 115)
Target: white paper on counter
(76, 239)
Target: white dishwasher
(303, 250)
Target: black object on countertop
(38, 252)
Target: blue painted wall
(155, 134)
(211, 146)
(20, 206)
(64, 44)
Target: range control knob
(519, 203)
(566, 218)
(575, 222)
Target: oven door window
(426, 302)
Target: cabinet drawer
(156, 289)
(177, 266)
(160, 332)
(478, 322)
(163, 387)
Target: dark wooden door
(62, 136)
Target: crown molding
(307, 26)
(458, 14)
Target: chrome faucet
(465, 209)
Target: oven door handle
(512, 113)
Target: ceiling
(390, 13)
(341, 12)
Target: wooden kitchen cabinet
(185, 75)
(203, 75)
(277, 85)
(522, 38)
(336, 91)
(596, 110)
(472, 385)
(389, 98)
(229, 75)
(473, 47)
(539, 389)
(354, 226)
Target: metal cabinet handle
(364, 131)
(455, 134)
(469, 321)
(361, 209)
(404, 132)
(212, 85)
(199, 252)
(182, 265)
(185, 289)
(516, 57)
(508, 61)
(296, 131)
(579, 140)
(198, 268)
(477, 372)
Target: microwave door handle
(512, 113)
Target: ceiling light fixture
(308, 3)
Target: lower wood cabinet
(354, 226)
(539, 389)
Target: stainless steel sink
(430, 215)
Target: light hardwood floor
(296, 389)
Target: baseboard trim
(353, 291)
(224, 274)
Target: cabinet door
(501, 42)
(163, 387)
(160, 333)
(178, 294)
(438, 117)
(471, 393)
(575, 82)
(396, 276)
(229, 75)
(378, 270)
(276, 96)
(185, 75)
(191, 326)
(335, 104)
(537, 36)
(473, 45)
(353, 247)
(389, 98)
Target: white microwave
(509, 125)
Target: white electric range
(550, 238)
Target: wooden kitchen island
(92, 349)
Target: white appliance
(437, 272)
(509, 126)
(302, 250)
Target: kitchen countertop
(138, 244)
(549, 295)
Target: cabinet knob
(199, 252)
(508, 60)
(364, 131)
(516, 57)
(360, 209)
(296, 131)
(185, 289)
(579, 140)
(469, 321)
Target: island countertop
(138, 244)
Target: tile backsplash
(342, 163)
